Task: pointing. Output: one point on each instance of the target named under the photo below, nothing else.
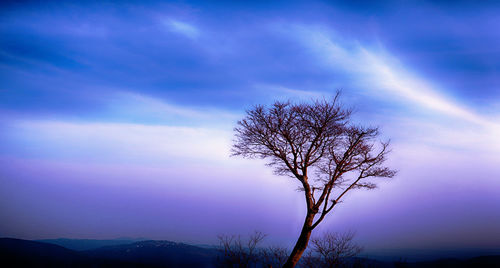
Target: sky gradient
(116, 119)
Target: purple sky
(116, 119)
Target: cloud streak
(144, 108)
(182, 28)
(383, 76)
(121, 142)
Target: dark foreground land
(110, 253)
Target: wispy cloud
(183, 28)
(115, 142)
(146, 108)
(279, 91)
(132, 128)
(381, 72)
(382, 75)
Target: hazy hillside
(165, 253)
(88, 244)
(26, 253)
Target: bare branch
(235, 252)
(317, 144)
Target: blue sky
(123, 112)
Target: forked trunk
(302, 242)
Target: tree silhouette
(237, 253)
(317, 144)
(332, 250)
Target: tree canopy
(318, 144)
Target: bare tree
(333, 249)
(316, 144)
(273, 256)
(237, 253)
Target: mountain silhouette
(164, 253)
(154, 253)
(25, 253)
(88, 244)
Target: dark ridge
(165, 253)
(479, 262)
(88, 244)
(25, 253)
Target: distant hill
(88, 244)
(165, 253)
(26, 253)
(483, 261)
(425, 255)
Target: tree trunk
(301, 244)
